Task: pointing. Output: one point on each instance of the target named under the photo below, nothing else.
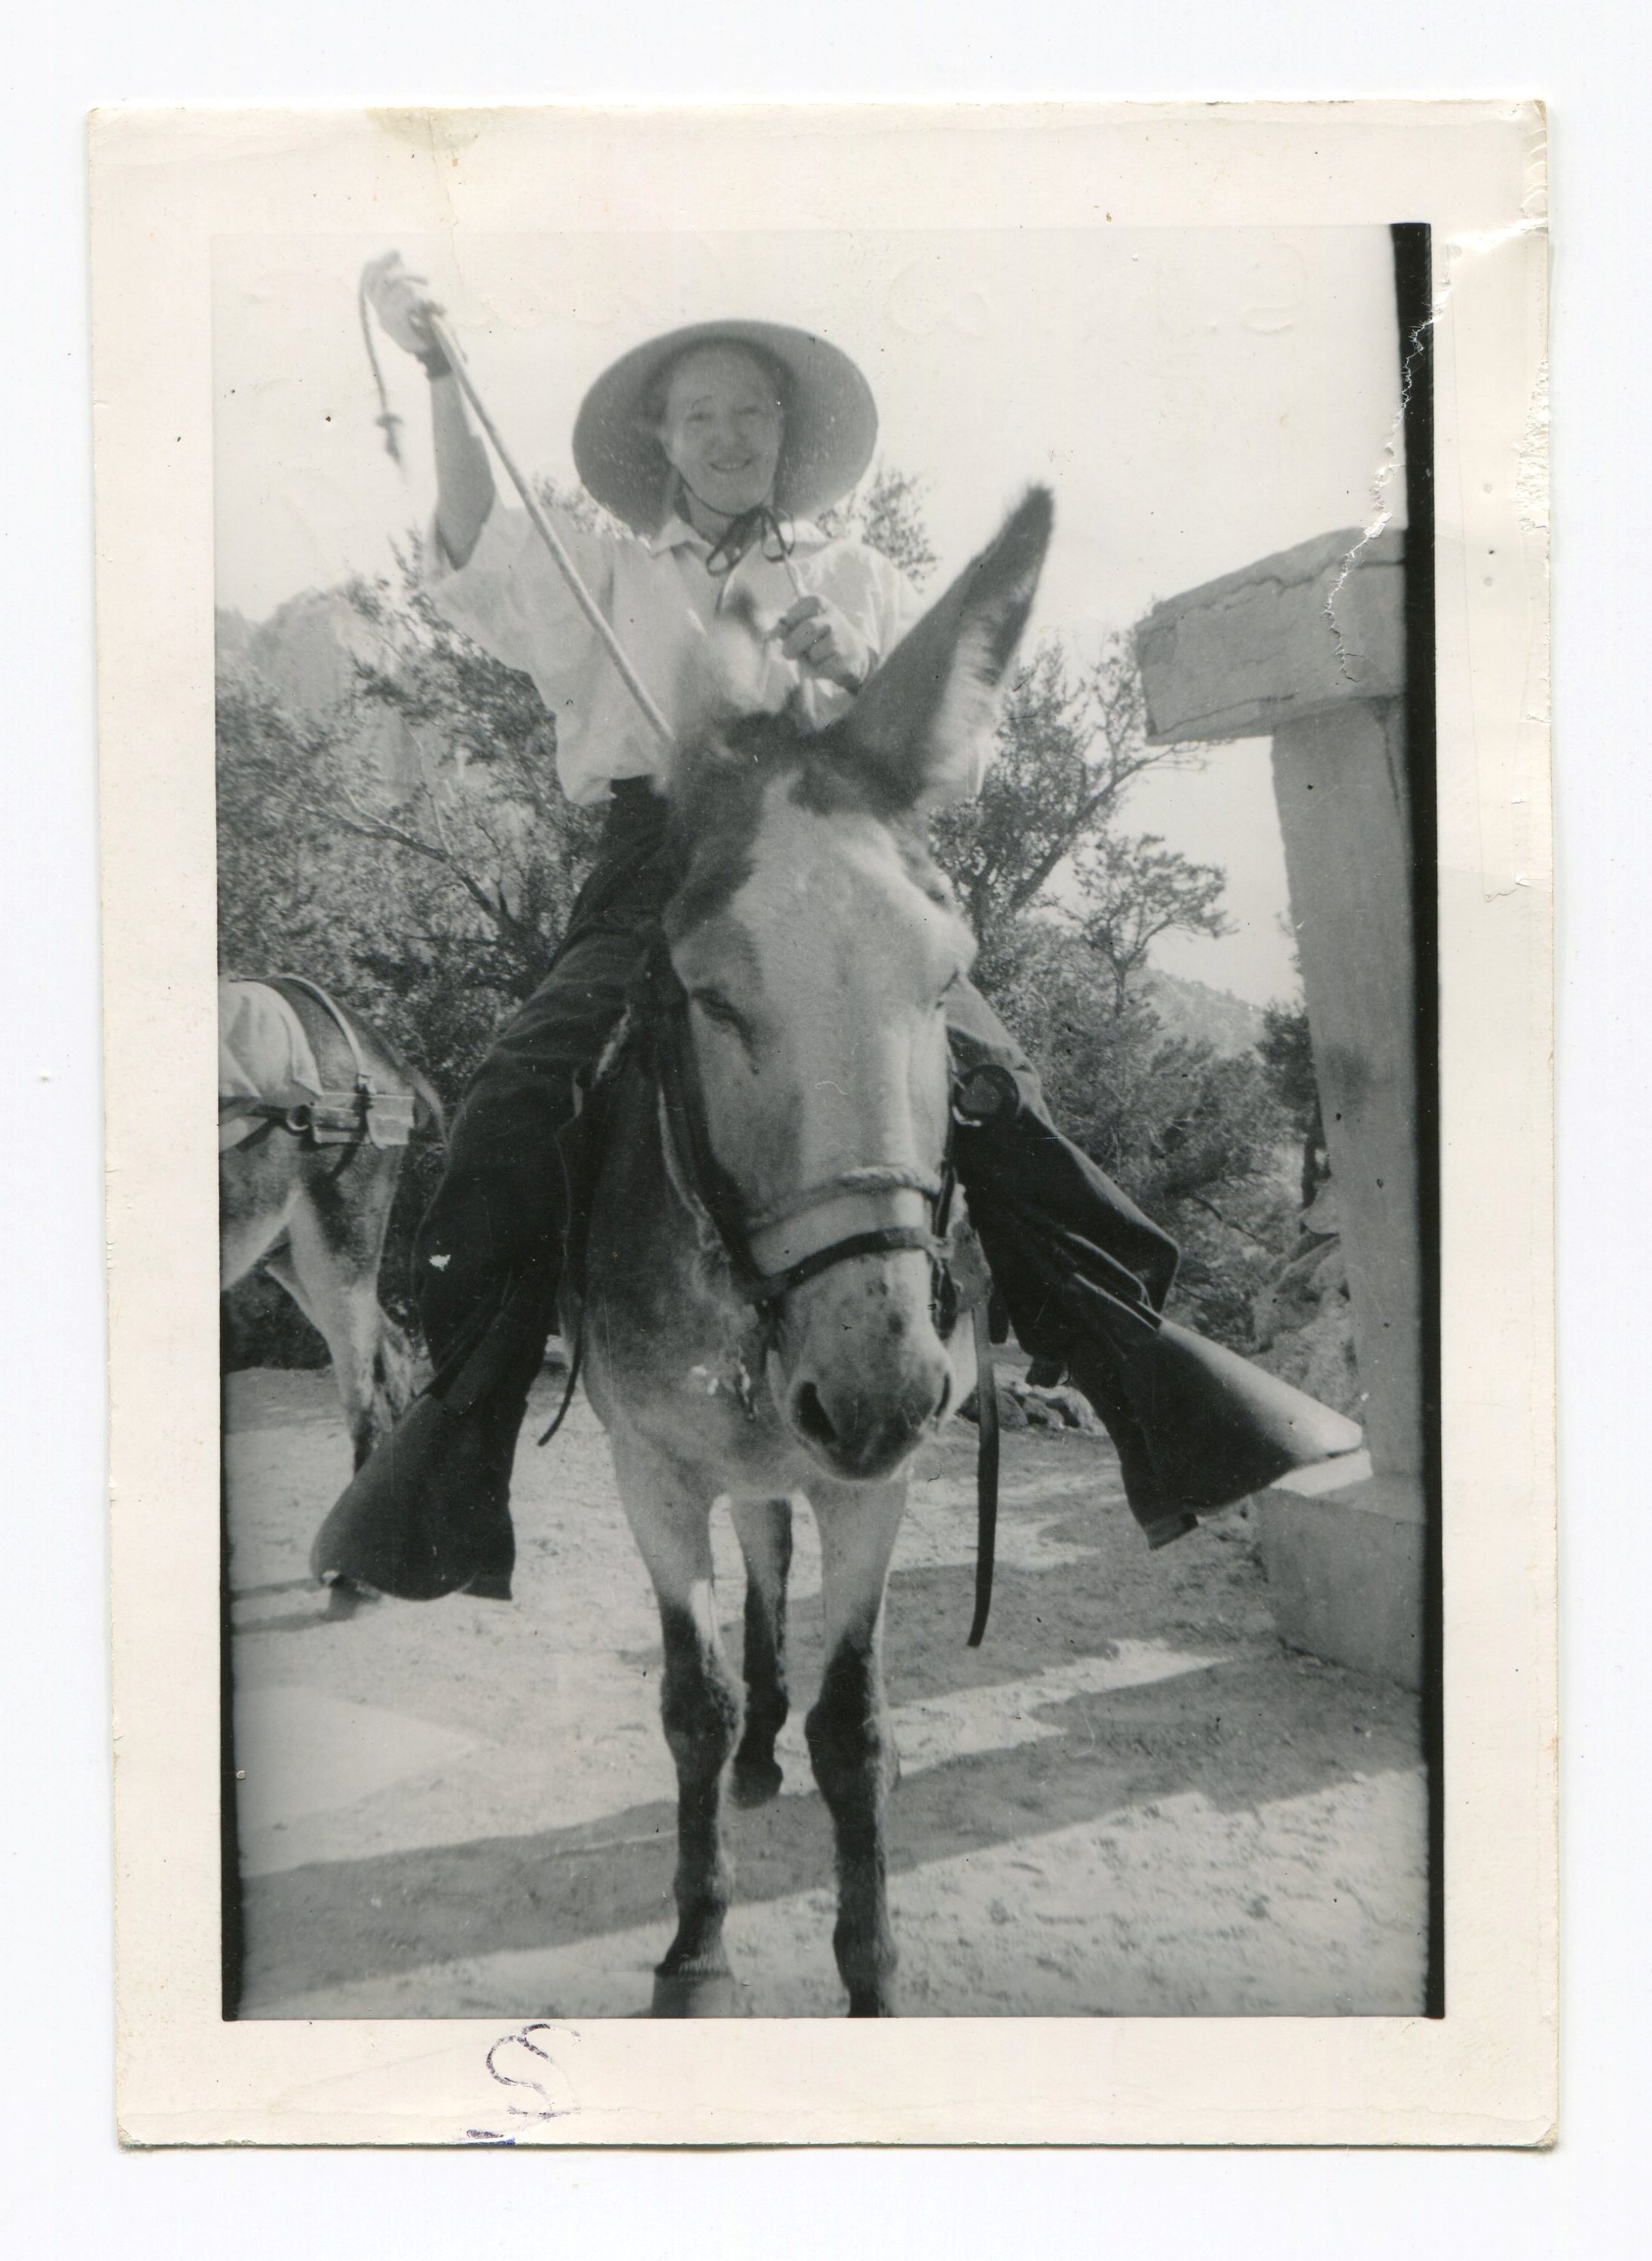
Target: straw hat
(832, 421)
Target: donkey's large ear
(920, 716)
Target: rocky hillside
(1187, 1009)
(309, 652)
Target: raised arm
(464, 477)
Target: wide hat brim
(831, 422)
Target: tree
(1136, 891)
(432, 901)
(888, 515)
(1195, 1137)
(1287, 1056)
(487, 817)
(1070, 743)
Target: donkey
(761, 1315)
(311, 1207)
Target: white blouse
(655, 592)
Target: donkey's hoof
(755, 1781)
(710, 1994)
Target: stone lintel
(1289, 637)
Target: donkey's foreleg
(700, 1706)
(848, 1734)
(764, 1529)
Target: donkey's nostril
(947, 1395)
(812, 1417)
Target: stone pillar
(1308, 649)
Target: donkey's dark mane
(717, 795)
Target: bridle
(659, 1016)
(687, 1134)
(657, 1029)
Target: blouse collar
(677, 534)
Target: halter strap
(882, 1240)
(684, 1125)
(870, 1178)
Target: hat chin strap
(762, 523)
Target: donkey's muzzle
(863, 1428)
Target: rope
(761, 528)
(387, 419)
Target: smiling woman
(721, 428)
(721, 424)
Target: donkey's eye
(716, 1008)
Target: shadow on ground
(1240, 1734)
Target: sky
(1197, 399)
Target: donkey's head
(818, 941)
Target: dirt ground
(1131, 1800)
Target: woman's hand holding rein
(818, 637)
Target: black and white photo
(833, 970)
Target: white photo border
(165, 183)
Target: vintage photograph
(828, 1123)
(854, 1441)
